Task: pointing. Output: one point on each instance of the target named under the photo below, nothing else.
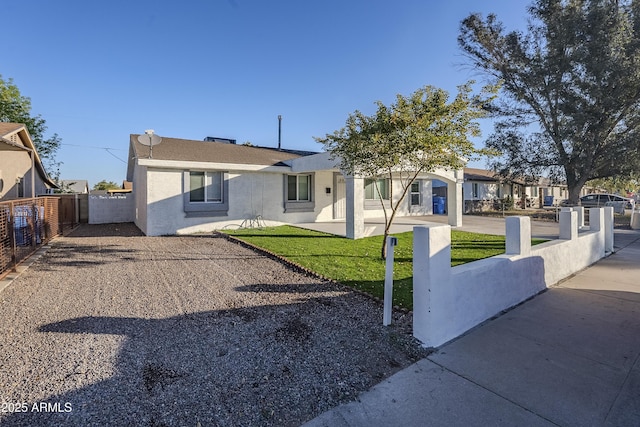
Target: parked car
(598, 200)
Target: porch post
(454, 200)
(355, 207)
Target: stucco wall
(449, 301)
(15, 164)
(104, 209)
(250, 194)
(486, 190)
(140, 197)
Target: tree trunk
(383, 252)
(387, 229)
(574, 193)
(574, 185)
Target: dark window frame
(206, 208)
(293, 206)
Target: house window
(415, 193)
(299, 188)
(475, 190)
(298, 193)
(370, 191)
(206, 193)
(205, 187)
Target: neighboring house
(21, 171)
(546, 190)
(483, 187)
(545, 187)
(191, 186)
(481, 184)
(77, 186)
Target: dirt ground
(110, 327)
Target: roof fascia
(174, 164)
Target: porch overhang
(355, 206)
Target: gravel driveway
(113, 328)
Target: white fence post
(431, 273)
(580, 210)
(568, 225)
(596, 219)
(608, 229)
(518, 235)
(597, 223)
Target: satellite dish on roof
(149, 139)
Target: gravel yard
(113, 328)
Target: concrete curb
(23, 266)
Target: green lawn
(357, 263)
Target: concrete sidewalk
(568, 357)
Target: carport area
(110, 327)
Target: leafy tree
(106, 185)
(572, 86)
(620, 184)
(416, 134)
(16, 108)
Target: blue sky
(99, 71)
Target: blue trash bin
(438, 205)
(548, 201)
(21, 225)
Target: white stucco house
(482, 184)
(482, 187)
(188, 186)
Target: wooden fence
(25, 226)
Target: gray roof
(208, 151)
(75, 185)
(473, 174)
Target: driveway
(113, 328)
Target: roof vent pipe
(279, 130)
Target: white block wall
(449, 301)
(105, 209)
